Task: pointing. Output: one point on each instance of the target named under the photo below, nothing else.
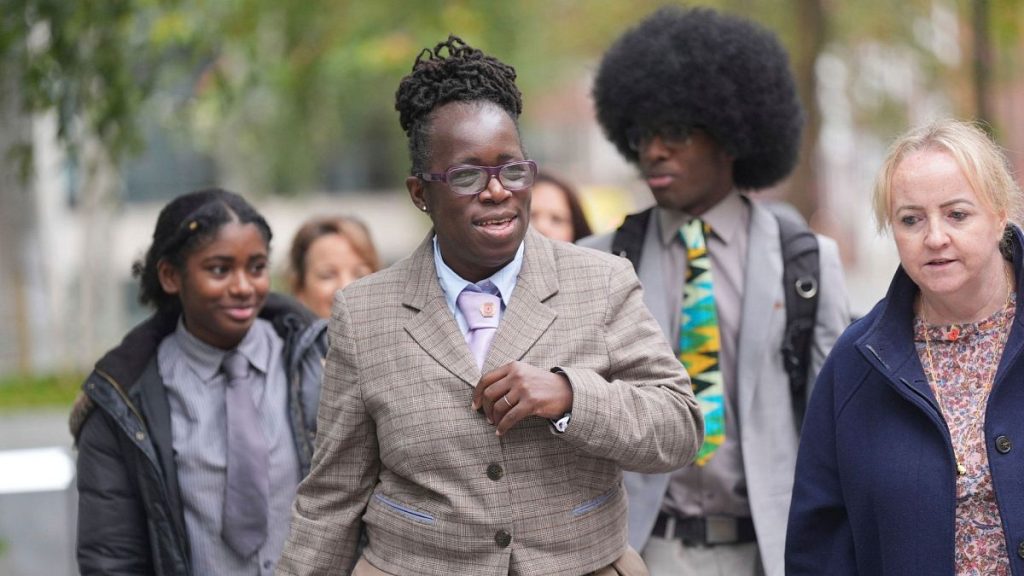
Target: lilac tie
(482, 311)
(247, 490)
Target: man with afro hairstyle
(704, 105)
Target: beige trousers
(629, 564)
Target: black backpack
(801, 272)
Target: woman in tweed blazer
(513, 465)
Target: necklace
(980, 403)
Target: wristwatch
(562, 423)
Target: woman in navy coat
(912, 453)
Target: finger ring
(506, 401)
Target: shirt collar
(452, 284)
(724, 218)
(205, 360)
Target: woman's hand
(518, 390)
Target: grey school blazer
(399, 449)
(767, 431)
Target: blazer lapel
(434, 327)
(664, 308)
(527, 316)
(763, 303)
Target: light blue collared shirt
(452, 284)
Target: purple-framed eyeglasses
(466, 180)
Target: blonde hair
(981, 160)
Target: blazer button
(1020, 549)
(503, 539)
(1003, 444)
(494, 472)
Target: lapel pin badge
(487, 309)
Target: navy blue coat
(875, 486)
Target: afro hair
(698, 68)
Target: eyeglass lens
(669, 135)
(469, 180)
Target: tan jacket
(399, 448)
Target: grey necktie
(247, 490)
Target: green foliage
(282, 91)
(307, 84)
(37, 391)
(91, 61)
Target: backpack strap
(628, 240)
(800, 277)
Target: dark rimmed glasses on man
(466, 180)
(672, 136)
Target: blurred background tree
(90, 65)
(148, 98)
(282, 93)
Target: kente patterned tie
(482, 311)
(247, 490)
(699, 341)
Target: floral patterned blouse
(965, 360)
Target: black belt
(707, 531)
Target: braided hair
(466, 74)
(186, 224)
(697, 68)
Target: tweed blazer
(400, 450)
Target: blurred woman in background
(329, 253)
(555, 210)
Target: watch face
(562, 423)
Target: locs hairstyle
(185, 224)
(465, 75)
(698, 68)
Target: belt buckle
(721, 530)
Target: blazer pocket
(594, 503)
(414, 515)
